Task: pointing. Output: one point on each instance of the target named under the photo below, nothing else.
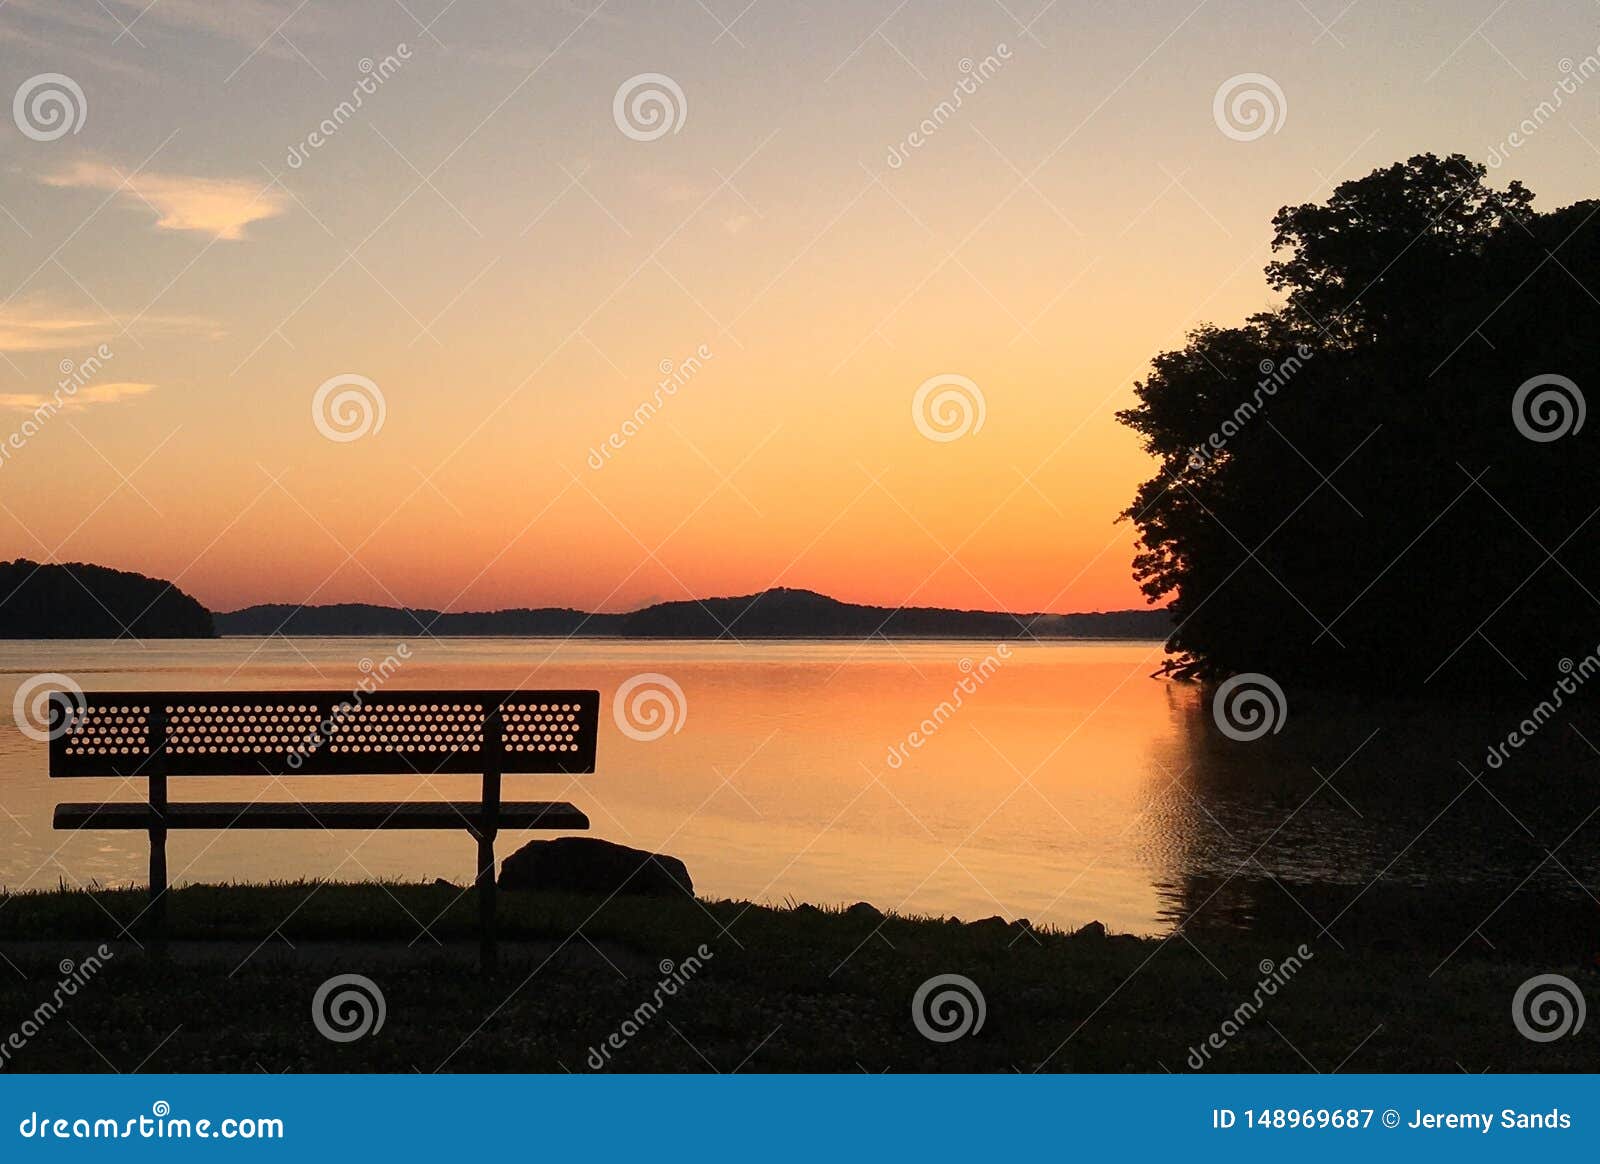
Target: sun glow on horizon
(622, 361)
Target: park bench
(159, 735)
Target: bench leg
(486, 935)
(158, 859)
(488, 826)
(158, 883)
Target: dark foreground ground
(581, 983)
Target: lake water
(1069, 786)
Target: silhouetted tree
(1345, 495)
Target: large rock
(588, 865)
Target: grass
(797, 989)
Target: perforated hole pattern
(540, 727)
(108, 731)
(278, 728)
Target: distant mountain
(772, 614)
(79, 601)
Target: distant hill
(80, 601)
(360, 618)
(772, 614)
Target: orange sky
(483, 242)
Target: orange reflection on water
(964, 779)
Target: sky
(410, 349)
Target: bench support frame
(496, 748)
(487, 832)
(158, 832)
(158, 856)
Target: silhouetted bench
(162, 734)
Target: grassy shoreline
(800, 989)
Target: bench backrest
(312, 733)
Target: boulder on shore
(590, 865)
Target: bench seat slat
(322, 815)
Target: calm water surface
(1069, 786)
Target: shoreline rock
(590, 865)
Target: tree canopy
(1386, 482)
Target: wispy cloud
(44, 325)
(86, 397)
(37, 327)
(221, 207)
(51, 44)
(245, 21)
(670, 188)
